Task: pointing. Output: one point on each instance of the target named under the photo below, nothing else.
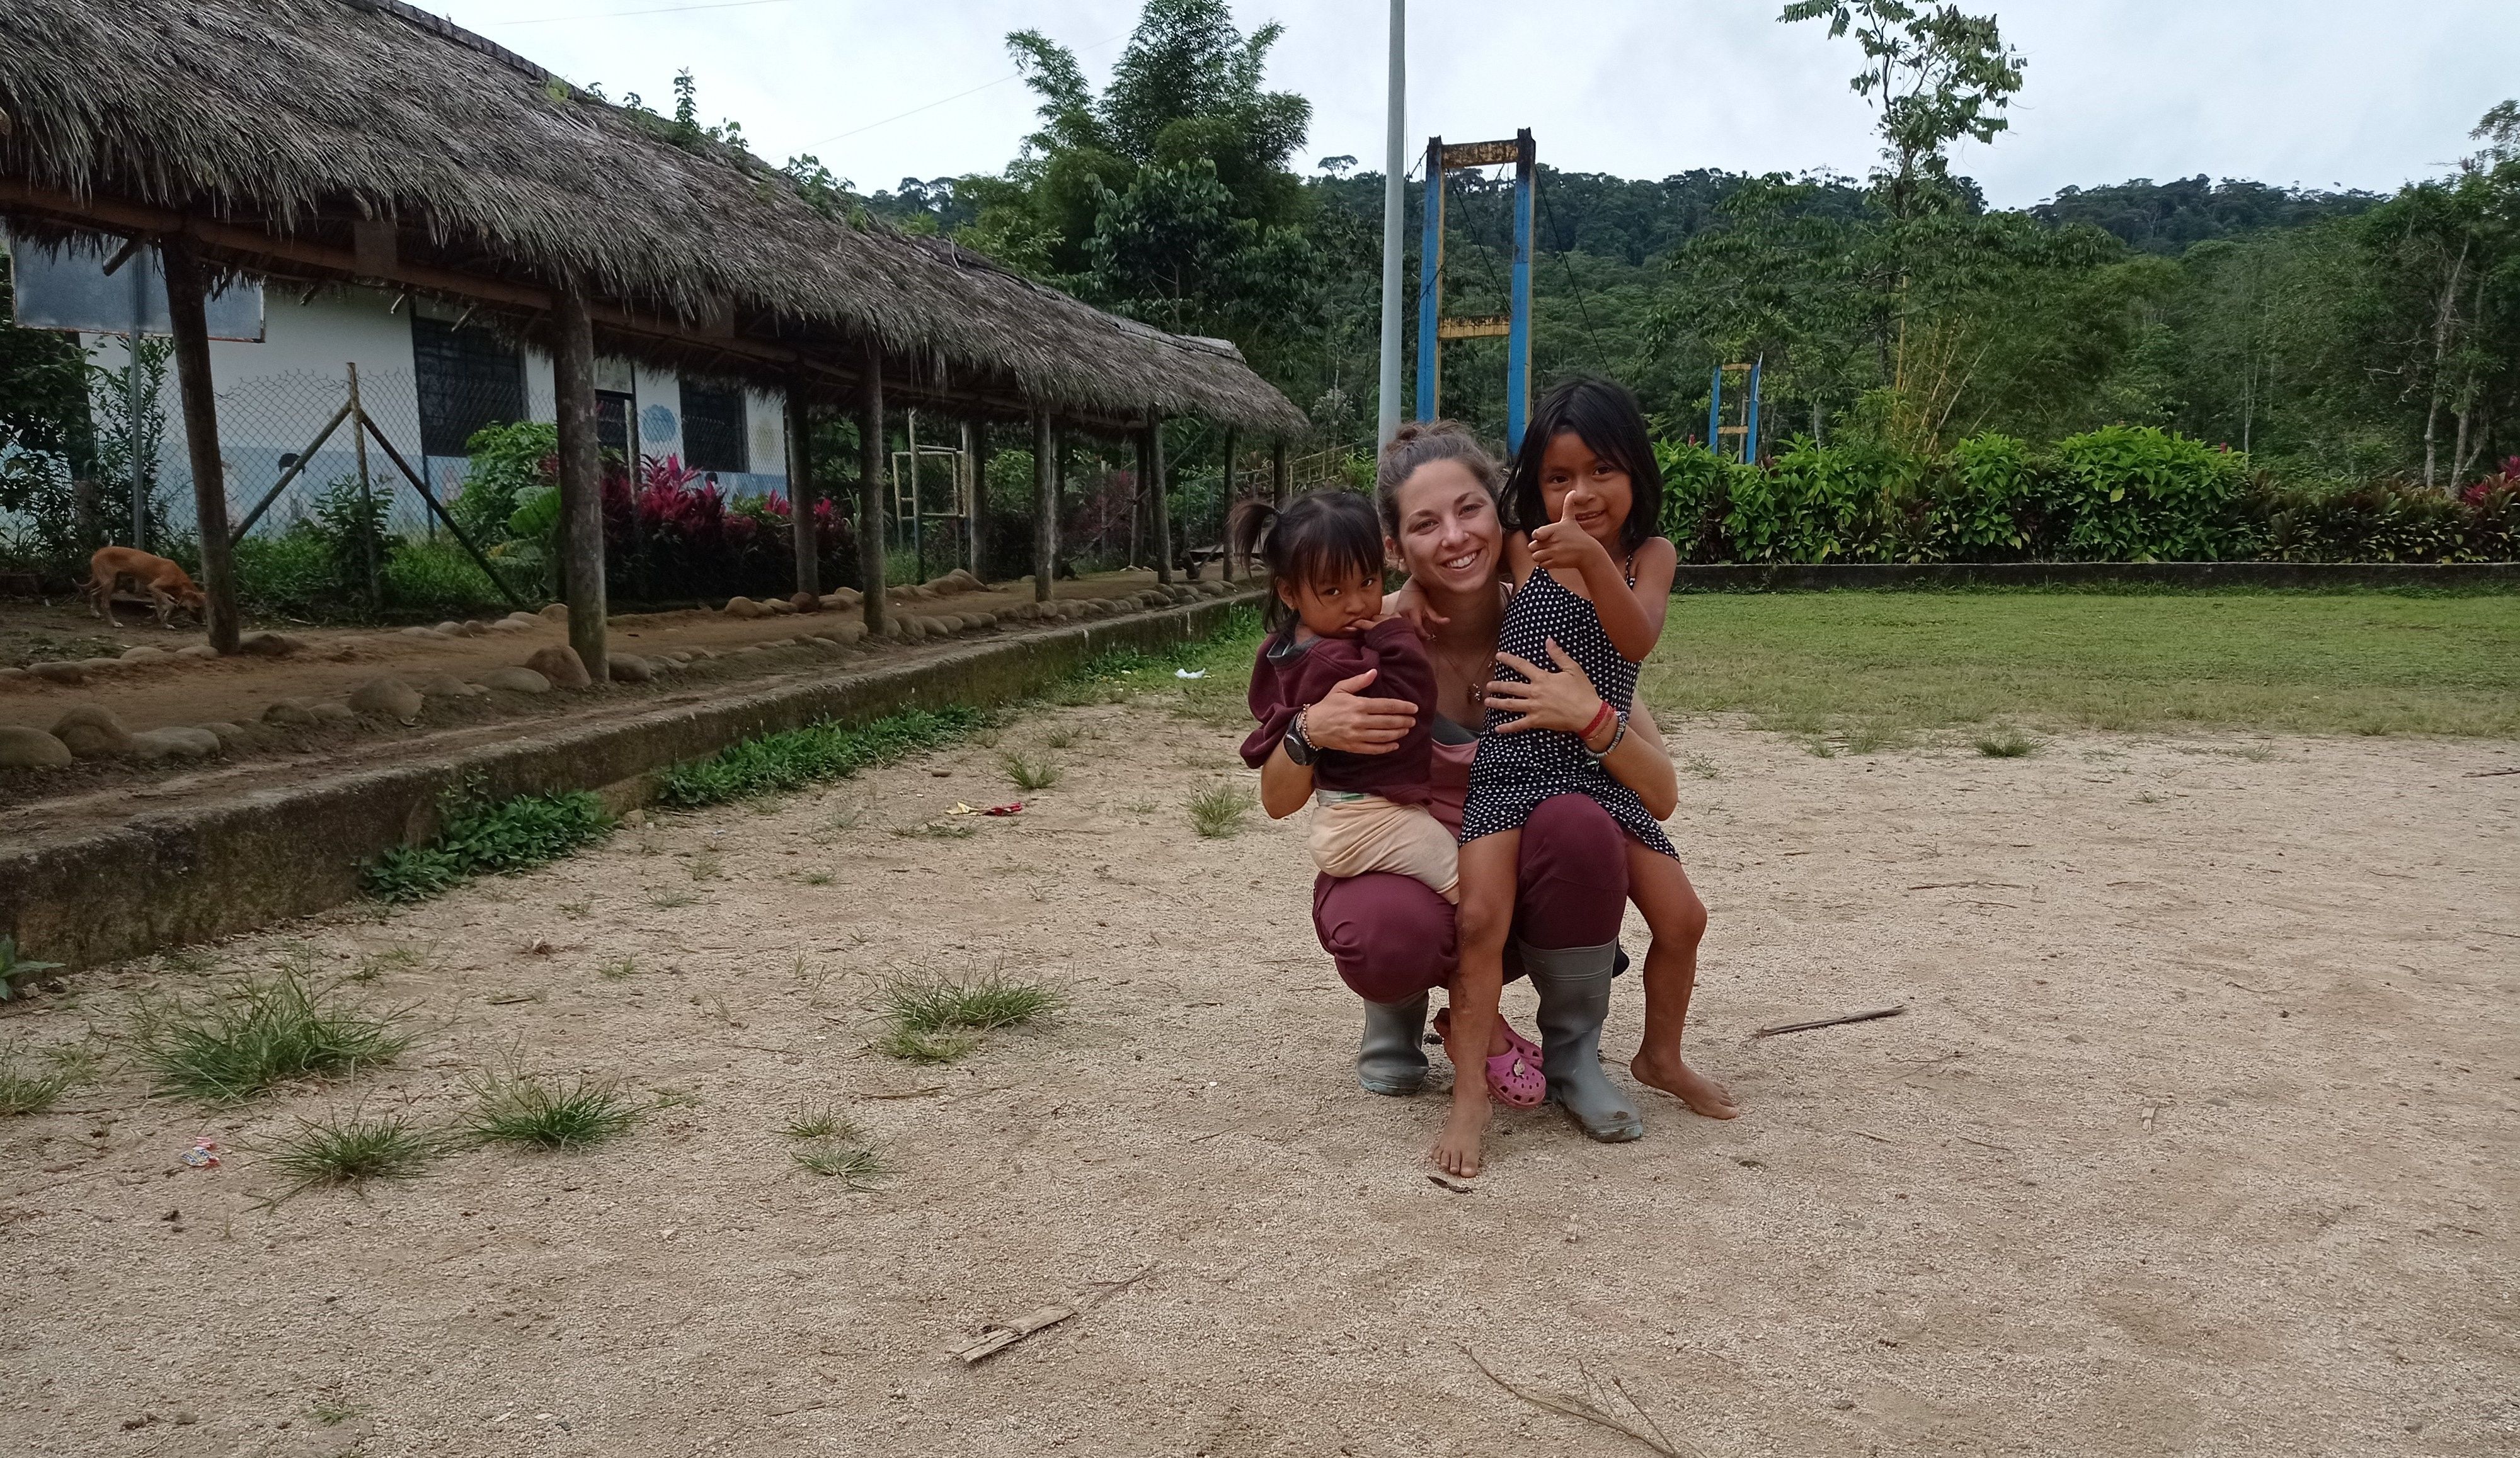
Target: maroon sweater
(1289, 676)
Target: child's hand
(1409, 604)
(1564, 543)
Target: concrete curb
(1790, 576)
(168, 877)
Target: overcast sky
(2316, 92)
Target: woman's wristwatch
(1299, 749)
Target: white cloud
(2309, 91)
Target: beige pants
(1353, 834)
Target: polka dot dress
(1513, 773)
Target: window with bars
(468, 378)
(714, 437)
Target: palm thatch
(329, 120)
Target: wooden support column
(802, 493)
(581, 484)
(1281, 482)
(870, 461)
(980, 496)
(190, 329)
(1154, 458)
(1225, 533)
(1044, 506)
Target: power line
(1582, 310)
(955, 96)
(663, 10)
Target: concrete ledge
(1789, 577)
(175, 876)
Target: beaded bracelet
(1608, 749)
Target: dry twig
(1586, 1409)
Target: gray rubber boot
(1574, 986)
(1392, 1057)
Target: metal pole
(192, 336)
(1750, 431)
(1715, 414)
(870, 455)
(1517, 348)
(1395, 216)
(1430, 286)
(581, 475)
(367, 496)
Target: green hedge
(2121, 493)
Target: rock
(57, 673)
(198, 650)
(827, 644)
(5, 673)
(804, 603)
(270, 644)
(331, 713)
(178, 743)
(783, 607)
(741, 607)
(850, 635)
(472, 627)
(95, 666)
(910, 629)
(92, 731)
(555, 612)
(629, 668)
(421, 633)
(696, 654)
(447, 685)
(145, 654)
(518, 680)
(22, 748)
(231, 736)
(561, 665)
(451, 628)
(293, 712)
(849, 596)
(510, 624)
(387, 695)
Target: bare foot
(1702, 1094)
(1444, 1029)
(1456, 1148)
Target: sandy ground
(2197, 1138)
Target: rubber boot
(1574, 986)
(1391, 1058)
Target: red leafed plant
(2505, 480)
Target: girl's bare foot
(1456, 1148)
(1702, 1094)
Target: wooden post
(191, 332)
(870, 491)
(1164, 508)
(1058, 453)
(581, 485)
(367, 490)
(1281, 483)
(979, 495)
(1138, 498)
(1225, 530)
(802, 494)
(1045, 502)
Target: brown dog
(165, 583)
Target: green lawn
(1868, 665)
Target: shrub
(1982, 494)
(509, 836)
(507, 461)
(2377, 521)
(2139, 493)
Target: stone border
(169, 877)
(1796, 577)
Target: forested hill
(2165, 217)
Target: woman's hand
(1563, 699)
(1344, 720)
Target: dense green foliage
(801, 756)
(482, 838)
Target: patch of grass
(532, 1111)
(2277, 662)
(937, 830)
(1140, 807)
(920, 1003)
(666, 900)
(375, 964)
(1701, 767)
(823, 1120)
(351, 1150)
(260, 1033)
(481, 838)
(14, 969)
(705, 867)
(331, 1412)
(926, 1048)
(1030, 774)
(33, 1084)
(1218, 810)
(616, 971)
(803, 756)
(2006, 744)
(1064, 736)
(854, 1165)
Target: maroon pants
(1392, 937)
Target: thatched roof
(304, 119)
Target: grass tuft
(935, 1004)
(823, 1120)
(535, 1112)
(481, 838)
(854, 1165)
(352, 1151)
(926, 1048)
(802, 756)
(1218, 810)
(261, 1032)
(1030, 774)
(25, 1089)
(2006, 744)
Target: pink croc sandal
(1513, 1076)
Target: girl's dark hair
(1312, 538)
(1418, 443)
(1605, 416)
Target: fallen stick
(2489, 774)
(1586, 1409)
(1001, 1334)
(1866, 1016)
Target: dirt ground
(2196, 1137)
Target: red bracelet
(1600, 717)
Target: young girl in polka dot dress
(1591, 582)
